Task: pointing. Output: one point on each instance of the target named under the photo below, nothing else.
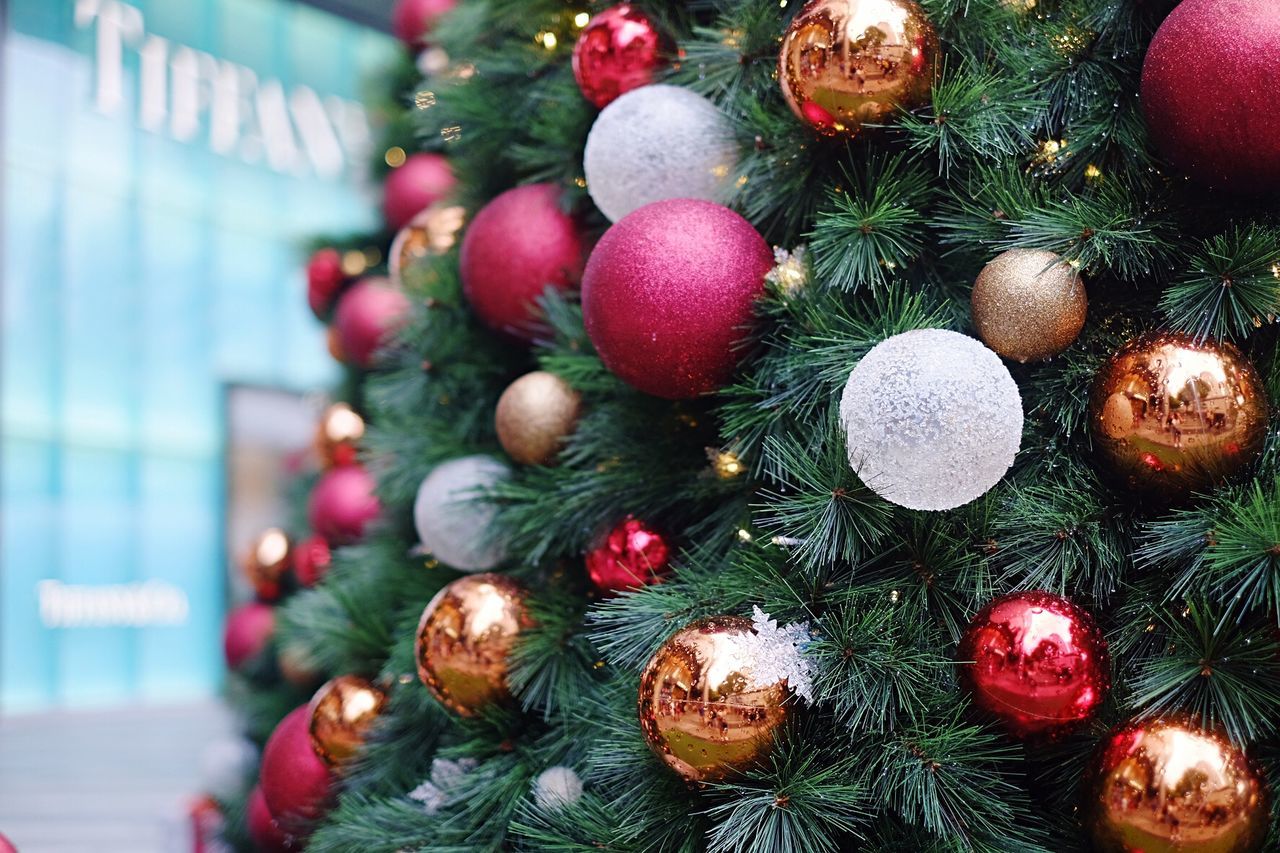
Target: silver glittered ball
(453, 519)
(932, 418)
(655, 143)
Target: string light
(424, 100)
(581, 19)
(395, 156)
(727, 465)
(1092, 172)
(744, 535)
(547, 39)
(354, 262)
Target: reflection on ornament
(1036, 661)
(846, 63)
(431, 233)
(1173, 415)
(341, 713)
(465, 638)
(337, 435)
(701, 709)
(1168, 786)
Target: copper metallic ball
(1028, 305)
(465, 639)
(267, 561)
(1168, 786)
(701, 709)
(338, 435)
(1172, 415)
(846, 63)
(1036, 661)
(341, 713)
(431, 233)
(535, 415)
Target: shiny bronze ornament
(846, 63)
(433, 232)
(465, 639)
(340, 715)
(1172, 415)
(338, 435)
(267, 561)
(1168, 786)
(1028, 305)
(701, 709)
(535, 415)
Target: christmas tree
(841, 425)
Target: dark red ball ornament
(632, 555)
(1208, 90)
(368, 316)
(246, 632)
(413, 20)
(324, 280)
(668, 295)
(519, 244)
(263, 828)
(421, 180)
(1036, 661)
(296, 783)
(311, 559)
(619, 50)
(342, 503)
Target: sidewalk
(104, 781)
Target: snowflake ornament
(778, 653)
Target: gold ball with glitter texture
(535, 415)
(700, 710)
(846, 63)
(1029, 305)
(341, 713)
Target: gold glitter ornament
(341, 713)
(1172, 414)
(465, 639)
(535, 415)
(1028, 305)
(846, 63)
(1168, 786)
(699, 708)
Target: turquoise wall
(154, 224)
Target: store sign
(114, 605)
(192, 95)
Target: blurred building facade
(165, 164)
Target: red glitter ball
(668, 295)
(247, 631)
(342, 503)
(368, 315)
(324, 278)
(1037, 661)
(632, 555)
(1209, 84)
(263, 828)
(420, 181)
(296, 783)
(620, 50)
(518, 245)
(413, 20)
(311, 559)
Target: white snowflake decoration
(445, 775)
(774, 654)
(557, 788)
(790, 273)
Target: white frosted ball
(655, 143)
(557, 788)
(453, 521)
(933, 419)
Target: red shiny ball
(324, 279)
(413, 20)
(1208, 90)
(620, 50)
(296, 782)
(368, 316)
(265, 831)
(668, 295)
(247, 631)
(1036, 661)
(342, 503)
(519, 244)
(632, 555)
(421, 180)
(311, 559)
